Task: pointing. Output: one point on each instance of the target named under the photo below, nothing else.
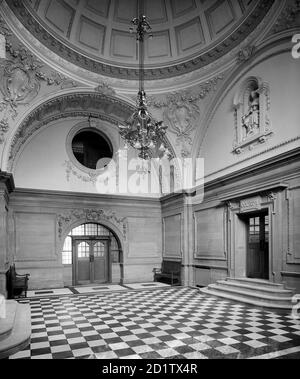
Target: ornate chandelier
(141, 131)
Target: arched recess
(108, 219)
(238, 75)
(75, 104)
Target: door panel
(83, 253)
(100, 250)
(91, 261)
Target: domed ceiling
(94, 34)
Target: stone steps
(260, 290)
(255, 282)
(15, 328)
(255, 292)
(7, 323)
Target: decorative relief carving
(21, 76)
(4, 127)
(288, 19)
(106, 89)
(70, 170)
(181, 112)
(272, 196)
(251, 115)
(251, 204)
(246, 53)
(4, 29)
(90, 215)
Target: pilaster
(6, 187)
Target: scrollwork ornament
(181, 112)
(21, 75)
(90, 215)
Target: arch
(110, 229)
(252, 82)
(71, 104)
(237, 75)
(75, 218)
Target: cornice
(248, 25)
(257, 168)
(71, 197)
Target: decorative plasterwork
(225, 45)
(181, 112)
(90, 177)
(66, 220)
(4, 127)
(289, 18)
(105, 89)
(21, 75)
(95, 104)
(81, 104)
(251, 115)
(245, 54)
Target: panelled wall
(213, 232)
(39, 221)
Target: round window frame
(83, 127)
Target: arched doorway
(91, 254)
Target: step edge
(246, 301)
(215, 286)
(256, 288)
(6, 331)
(20, 336)
(256, 281)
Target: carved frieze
(90, 215)
(250, 204)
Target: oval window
(91, 149)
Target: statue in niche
(250, 121)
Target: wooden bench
(17, 285)
(170, 272)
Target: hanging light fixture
(141, 131)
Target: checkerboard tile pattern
(158, 323)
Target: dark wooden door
(258, 247)
(91, 260)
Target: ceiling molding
(206, 57)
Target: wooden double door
(258, 246)
(91, 258)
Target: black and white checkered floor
(162, 323)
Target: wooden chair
(17, 285)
